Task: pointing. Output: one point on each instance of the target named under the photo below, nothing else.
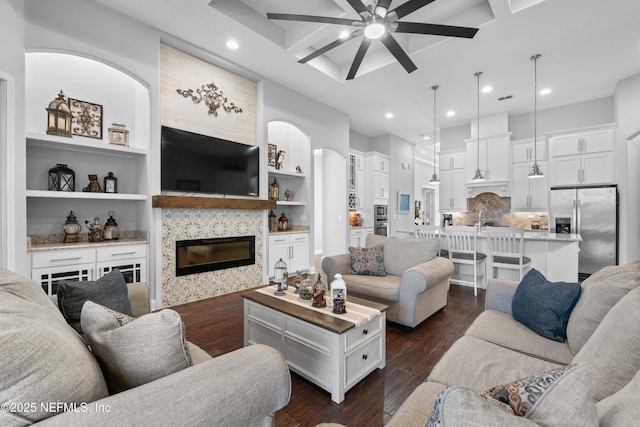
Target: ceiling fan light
(374, 30)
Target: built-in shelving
(80, 144)
(83, 195)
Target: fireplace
(200, 255)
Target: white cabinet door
(446, 186)
(381, 185)
(520, 186)
(278, 249)
(597, 168)
(299, 255)
(458, 190)
(539, 190)
(598, 141)
(452, 160)
(381, 164)
(565, 170)
(565, 145)
(498, 159)
(525, 152)
(474, 162)
(360, 180)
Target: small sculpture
(280, 161)
(298, 169)
(94, 185)
(319, 290)
(287, 194)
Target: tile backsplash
(496, 210)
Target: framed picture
(86, 118)
(404, 203)
(272, 152)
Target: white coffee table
(332, 353)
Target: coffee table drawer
(362, 361)
(362, 333)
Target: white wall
(358, 141)
(12, 178)
(402, 180)
(627, 108)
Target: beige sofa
(602, 336)
(50, 377)
(416, 283)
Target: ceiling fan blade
(410, 7)
(435, 29)
(359, 7)
(382, 8)
(330, 46)
(398, 52)
(364, 46)
(311, 18)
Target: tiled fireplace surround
(188, 223)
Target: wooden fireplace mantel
(194, 202)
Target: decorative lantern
(111, 230)
(273, 222)
(280, 276)
(283, 223)
(95, 230)
(61, 178)
(319, 291)
(338, 295)
(306, 289)
(274, 190)
(110, 183)
(59, 117)
(71, 229)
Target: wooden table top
(325, 321)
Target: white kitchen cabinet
(293, 248)
(358, 236)
(581, 158)
(49, 267)
(493, 159)
(452, 160)
(528, 194)
(526, 152)
(452, 190)
(377, 179)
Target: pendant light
(434, 179)
(535, 171)
(478, 176)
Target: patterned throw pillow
(367, 261)
(135, 351)
(522, 394)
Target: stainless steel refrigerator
(591, 212)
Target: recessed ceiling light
(343, 35)
(451, 113)
(545, 91)
(388, 115)
(487, 89)
(425, 137)
(232, 44)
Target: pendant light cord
(435, 88)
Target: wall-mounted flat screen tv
(194, 163)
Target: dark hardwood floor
(216, 325)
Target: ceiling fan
(378, 22)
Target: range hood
(500, 188)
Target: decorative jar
(283, 223)
(306, 289)
(95, 230)
(71, 229)
(111, 230)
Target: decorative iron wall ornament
(86, 118)
(212, 96)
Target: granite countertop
(81, 245)
(530, 235)
(295, 229)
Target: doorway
(428, 209)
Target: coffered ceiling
(587, 46)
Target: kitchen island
(554, 255)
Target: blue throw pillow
(543, 306)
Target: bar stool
(462, 244)
(432, 232)
(507, 249)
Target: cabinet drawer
(313, 364)
(260, 334)
(362, 361)
(362, 333)
(123, 252)
(358, 232)
(299, 238)
(265, 315)
(279, 240)
(62, 257)
(310, 335)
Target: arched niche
(125, 98)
